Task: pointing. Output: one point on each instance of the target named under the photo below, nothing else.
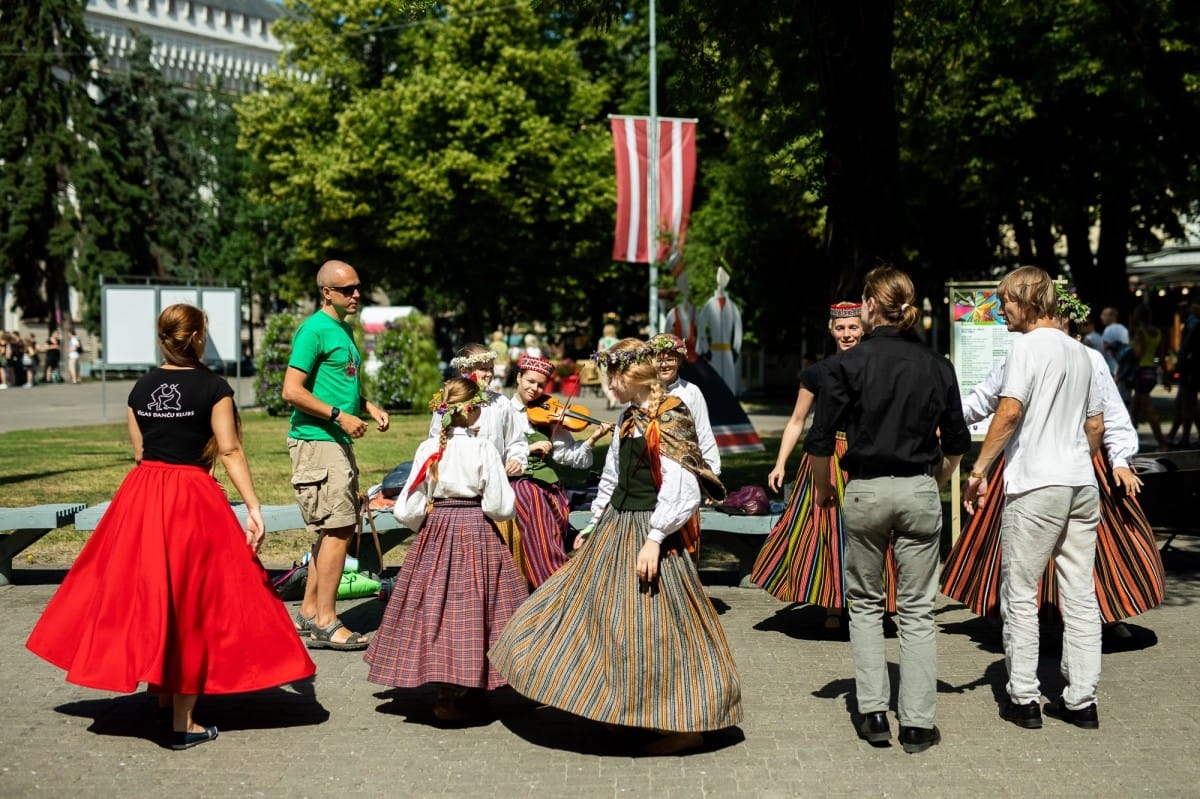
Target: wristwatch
(334, 413)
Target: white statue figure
(681, 320)
(719, 332)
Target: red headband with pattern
(844, 310)
(528, 363)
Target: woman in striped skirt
(624, 634)
(801, 560)
(542, 507)
(1128, 572)
(458, 585)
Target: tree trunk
(1112, 283)
(852, 41)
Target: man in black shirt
(901, 409)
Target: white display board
(979, 337)
(129, 322)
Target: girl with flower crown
(542, 506)
(801, 560)
(624, 633)
(458, 585)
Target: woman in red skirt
(191, 610)
(458, 585)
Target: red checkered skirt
(457, 588)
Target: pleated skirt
(1128, 573)
(802, 558)
(592, 641)
(457, 589)
(167, 592)
(543, 518)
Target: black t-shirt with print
(173, 408)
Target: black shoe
(1028, 716)
(874, 728)
(1085, 717)
(186, 740)
(918, 739)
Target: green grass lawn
(87, 464)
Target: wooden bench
(26, 525)
(278, 518)
(740, 536)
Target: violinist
(542, 507)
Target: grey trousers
(907, 513)
(1053, 522)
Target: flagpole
(652, 179)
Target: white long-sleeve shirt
(470, 467)
(1120, 438)
(565, 448)
(694, 400)
(497, 424)
(678, 496)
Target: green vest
(538, 468)
(635, 484)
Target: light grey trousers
(1053, 522)
(907, 513)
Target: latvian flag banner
(676, 177)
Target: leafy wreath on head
(446, 410)
(464, 362)
(1070, 306)
(620, 360)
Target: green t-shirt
(324, 349)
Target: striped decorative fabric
(801, 560)
(1128, 573)
(457, 588)
(510, 533)
(591, 641)
(542, 516)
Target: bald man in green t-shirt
(322, 385)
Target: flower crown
(464, 362)
(665, 343)
(620, 360)
(1070, 306)
(446, 410)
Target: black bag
(393, 481)
(290, 586)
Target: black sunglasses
(346, 291)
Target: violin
(545, 411)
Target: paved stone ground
(340, 735)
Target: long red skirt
(166, 592)
(543, 516)
(1128, 572)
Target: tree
(460, 160)
(48, 133)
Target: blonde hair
(894, 295)
(181, 335)
(1031, 290)
(456, 390)
(640, 372)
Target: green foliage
(445, 156)
(49, 149)
(270, 364)
(408, 373)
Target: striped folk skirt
(457, 588)
(1128, 572)
(592, 641)
(801, 560)
(543, 517)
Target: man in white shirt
(1048, 423)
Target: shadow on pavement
(554, 729)
(137, 715)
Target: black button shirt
(893, 396)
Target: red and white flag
(676, 177)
